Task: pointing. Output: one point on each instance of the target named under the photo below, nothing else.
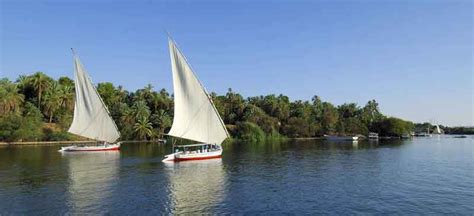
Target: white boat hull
(181, 156)
(106, 147)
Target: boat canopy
(192, 145)
(195, 116)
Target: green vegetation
(459, 130)
(423, 127)
(37, 107)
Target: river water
(418, 176)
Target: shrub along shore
(38, 108)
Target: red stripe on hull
(197, 158)
(111, 149)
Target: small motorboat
(194, 152)
(103, 147)
(373, 136)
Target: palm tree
(128, 115)
(156, 135)
(110, 95)
(156, 101)
(162, 120)
(164, 93)
(66, 81)
(52, 102)
(141, 110)
(25, 87)
(122, 93)
(145, 93)
(10, 99)
(66, 97)
(143, 128)
(40, 82)
(22, 81)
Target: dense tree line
(37, 107)
(426, 126)
(459, 130)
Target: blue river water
(417, 176)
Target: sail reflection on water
(92, 178)
(196, 186)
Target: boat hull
(198, 158)
(177, 157)
(109, 147)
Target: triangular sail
(91, 117)
(195, 116)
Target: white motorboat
(373, 136)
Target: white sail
(438, 130)
(91, 117)
(195, 116)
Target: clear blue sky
(414, 57)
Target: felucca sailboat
(91, 117)
(195, 116)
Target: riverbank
(46, 143)
(86, 142)
(307, 138)
(91, 142)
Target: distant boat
(460, 136)
(373, 136)
(405, 136)
(437, 130)
(91, 117)
(423, 134)
(195, 116)
(341, 138)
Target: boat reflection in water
(92, 178)
(355, 144)
(196, 186)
